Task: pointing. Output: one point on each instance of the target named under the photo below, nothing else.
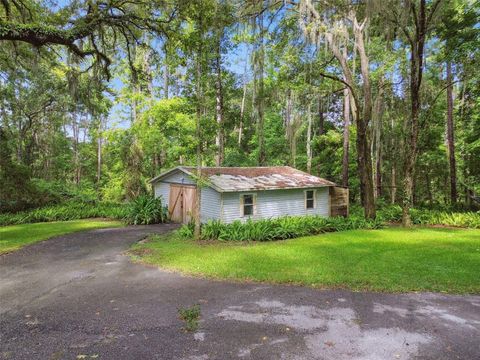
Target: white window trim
(242, 208)
(314, 199)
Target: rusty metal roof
(232, 179)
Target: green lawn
(393, 259)
(15, 236)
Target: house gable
(210, 203)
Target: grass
(391, 260)
(16, 236)
(190, 316)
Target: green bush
(146, 210)
(297, 226)
(421, 216)
(67, 211)
(277, 229)
(466, 219)
(185, 231)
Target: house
(240, 193)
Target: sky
(234, 61)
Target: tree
(255, 12)
(223, 19)
(84, 29)
(457, 31)
(415, 22)
(334, 30)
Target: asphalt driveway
(79, 297)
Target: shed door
(181, 203)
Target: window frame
(253, 205)
(314, 198)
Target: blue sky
(234, 61)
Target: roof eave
(185, 171)
(165, 173)
(276, 188)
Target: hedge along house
(240, 193)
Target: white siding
(178, 177)
(269, 203)
(276, 203)
(162, 188)
(210, 204)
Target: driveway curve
(80, 297)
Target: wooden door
(181, 203)
(188, 203)
(338, 201)
(175, 203)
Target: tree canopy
(97, 97)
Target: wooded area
(381, 96)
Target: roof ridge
(241, 178)
(235, 167)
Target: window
(247, 204)
(310, 199)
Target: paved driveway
(79, 297)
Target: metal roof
(233, 179)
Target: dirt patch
(140, 252)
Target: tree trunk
(309, 139)
(99, 154)
(393, 173)
(451, 136)
(393, 185)
(289, 127)
(429, 187)
(362, 111)
(346, 131)
(416, 72)
(199, 112)
(220, 139)
(166, 72)
(378, 117)
(363, 148)
(242, 106)
(259, 88)
(321, 128)
(76, 156)
(321, 117)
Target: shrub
(423, 216)
(67, 211)
(277, 229)
(146, 210)
(296, 226)
(185, 231)
(391, 213)
(466, 219)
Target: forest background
(98, 97)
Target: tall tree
(256, 10)
(416, 31)
(346, 130)
(340, 22)
(457, 30)
(222, 20)
(450, 135)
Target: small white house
(240, 193)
